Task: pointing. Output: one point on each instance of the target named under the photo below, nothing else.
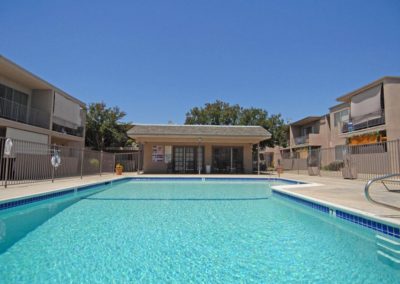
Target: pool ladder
(382, 179)
(388, 250)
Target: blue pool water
(190, 231)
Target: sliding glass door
(227, 159)
(188, 159)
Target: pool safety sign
(157, 154)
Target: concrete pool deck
(343, 193)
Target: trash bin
(208, 169)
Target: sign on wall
(157, 153)
(168, 154)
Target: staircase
(388, 250)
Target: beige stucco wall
(320, 139)
(335, 137)
(161, 167)
(392, 109)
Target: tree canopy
(222, 113)
(104, 127)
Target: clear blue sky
(157, 59)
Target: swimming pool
(184, 231)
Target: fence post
(52, 166)
(133, 162)
(101, 161)
(114, 163)
(139, 157)
(319, 161)
(6, 177)
(398, 155)
(82, 157)
(258, 158)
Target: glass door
(188, 159)
(179, 159)
(227, 159)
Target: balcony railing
(300, 140)
(363, 122)
(67, 127)
(17, 112)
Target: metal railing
(31, 162)
(363, 122)
(348, 161)
(130, 161)
(381, 179)
(301, 140)
(17, 112)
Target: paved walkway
(350, 194)
(21, 190)
(346, 193)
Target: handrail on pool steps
(382, 179)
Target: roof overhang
(387, 79)
(185, 136)
(16, 73)
(306, 120)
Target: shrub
(334, 166)
(94, 163)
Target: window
(307, 130)
(13, 95)
(340, 117)
(227, 159)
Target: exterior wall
(294, 131)
(335, 137)
(161, 167)
(392, 110)
(276, 153)
(14, 85)
(43, 100)
(320, 139)
(26, 136)
(40, 103)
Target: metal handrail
(381, 178)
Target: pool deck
(343, 193)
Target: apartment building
(32, 109)
(306, 134)
(368, 114)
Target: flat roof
(198, 130)
(346, 98)
(16, 73)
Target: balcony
(311, 139)
(364, 122)
(69, 128)
(17, 112)
(300, 140)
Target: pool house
(197, 149)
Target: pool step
(388, 250)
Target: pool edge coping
(283, 189)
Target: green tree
(218, 113)
(222, 113)
(104, 127)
